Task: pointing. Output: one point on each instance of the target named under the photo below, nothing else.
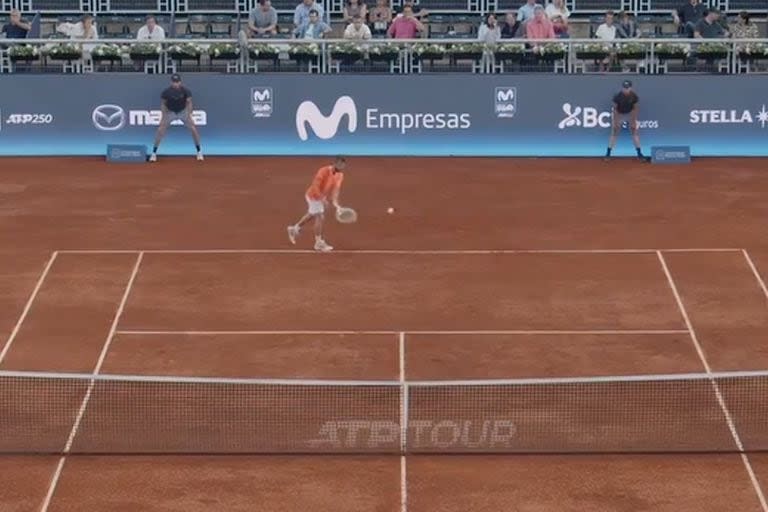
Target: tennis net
(117, 414)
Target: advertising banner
(409, 115)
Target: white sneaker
(293, 232)
(199, 156)
(153, 157)
(322, 246)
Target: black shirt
(176, 98)
(709, 30)
(509, 31)
(14, 31)
(625, 102)
(691, 13)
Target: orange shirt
(325, 182)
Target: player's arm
(335, 196)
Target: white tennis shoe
(322, 246)
(293, 233)
(200, 156)
(153, 157)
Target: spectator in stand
(85, 29)
(539, 27)
(151, 31)
(357, 30)
(526, 12)
(16, 28)
(607, 31)
(744, 28)
(380, 17)
(688, 15)
(558, 14)
(313, 28)
(354, 8)
(489, 32)
(301, 14)
(511, 28)
(627, 28)
(709, 27)
(262, 21)
(405, 26)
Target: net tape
(111, 414)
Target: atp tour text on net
(443, 434)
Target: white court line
(759, 278)
(715, 387)
(458, 252)
(27, 307)
(596, 332)
(87, 397)
(403, 425)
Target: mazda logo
(108, 118)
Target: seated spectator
(626, 28)
(380, 17)
(301, 14)
(16, 28)
(607, 31)
(85, 29)
(489, 32)
(744, 28)
(558, 14)
(539, 27)
(313, 28)
(688, 15)
(511, 28)
(526, 12)
(354, 8)
(151, 31)
(709, 27)
(357, 30)
(262, 21)
(405, 26)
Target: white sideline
(403, 424)
(596, 332)
(27, 307)
(87, 397)
(457, 252)
(715, 386)
(756, 273)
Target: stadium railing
(396, 56)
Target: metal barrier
(571, 56)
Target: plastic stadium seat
(56, 5)
(285, 6)
(665, 5)
(220, 25)
(212, 5)
(133, 6)
(756, 6)
(198, 25)
(113, 26)
(598, 5)
(443, 5)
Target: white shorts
(316, 207)
(175, 117)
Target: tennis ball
(390, 210)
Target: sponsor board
(110, 117)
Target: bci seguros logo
(109, 118)
(591, 117)
(309, 115)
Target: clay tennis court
(489, 269)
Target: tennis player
(327, 184)
(176, 106)
(625, 111)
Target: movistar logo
(326, 127)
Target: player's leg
(636, 139)
(190, 124)
(615, 129)
(165, 122)
(316, 212)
